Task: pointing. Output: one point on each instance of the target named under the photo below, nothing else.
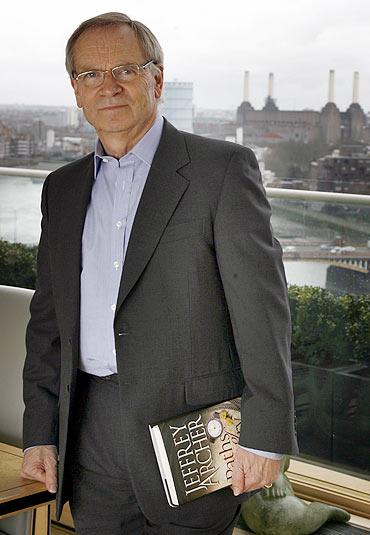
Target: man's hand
(251, 472)
(40, 463)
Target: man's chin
(113, 129)
(113, 126)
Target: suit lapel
(163, 190)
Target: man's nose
(110, 85)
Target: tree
(17, 264)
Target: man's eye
(126, 71)
(91, 75)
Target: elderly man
(160, 290)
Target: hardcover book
(195, 451)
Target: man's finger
(34, 473)
(51, 481)
(51, 474)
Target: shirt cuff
(31, 447)
(268, 454)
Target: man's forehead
(107, 44)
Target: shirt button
(113, 307)
(118, 224)
(116, 264)
(105, 160)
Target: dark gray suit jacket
(202, 313)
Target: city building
(73, 117)
(347, 170)
(50, 138)
(21, 146)
(218, 124)
(38, 133)
(177, 104)
(5, 137)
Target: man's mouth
(112, 107)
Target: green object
(277, 511)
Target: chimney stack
(356, 87)
(246, 87)
(331, 86)
(271, 85)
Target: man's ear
(74, 84)
(158, 81)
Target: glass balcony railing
(326, 244)
(20, 194)
(326, 247)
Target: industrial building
(271, 125)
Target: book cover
(195, 451)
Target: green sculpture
(276, 511)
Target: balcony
(326, 244)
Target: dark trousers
(103, 501)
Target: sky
(209, 43)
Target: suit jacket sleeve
(41, 372)
(252, 273)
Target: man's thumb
(238, 480)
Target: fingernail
(236, 492)
(53, 490)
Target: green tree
(358, 325)
(17, 264)
(293, 159)
(319, 334)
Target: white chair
(14, 316)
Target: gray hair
(147, 40)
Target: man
(160, 290)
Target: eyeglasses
(122, 73)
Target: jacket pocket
(215, 387)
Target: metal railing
(272, 193)
(19, 171)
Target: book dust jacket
(196, 451)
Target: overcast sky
(208, 42)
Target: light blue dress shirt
(115, 196)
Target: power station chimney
(270, 92)
(270, 104)
(331, 86)
(246, 87)
(356, 87)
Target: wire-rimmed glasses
(121, 73)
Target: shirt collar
(144, 149)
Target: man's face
(114, 107)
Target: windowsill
(314, 482)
